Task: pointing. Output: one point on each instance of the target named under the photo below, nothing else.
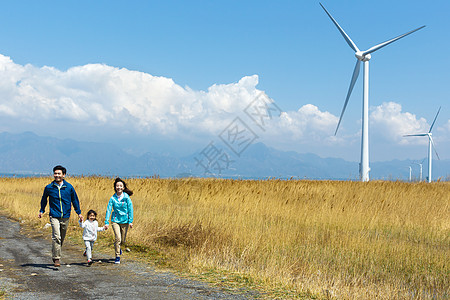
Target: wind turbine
(362, 56)
(410, 173)
(430, 144)
(420, 164)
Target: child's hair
(125, 189)
(92, 212)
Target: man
(61, 195)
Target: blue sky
(300, 59)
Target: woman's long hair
(125, 189)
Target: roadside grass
(287, 239)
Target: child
(90, 227)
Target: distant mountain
(28, 153)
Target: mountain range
(29, 154)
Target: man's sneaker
(56, 263)
(89, 262)
(117, 261)
(84, 253)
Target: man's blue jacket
(60, 200)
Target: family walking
(61, 196)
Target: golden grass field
(293, 239)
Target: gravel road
(26, 272)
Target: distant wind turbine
(420, 164)
(362, 56)
(410, 173)
(430, 144)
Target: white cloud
(103, 95)
(389, 121)
(96, 98)
(306, 124)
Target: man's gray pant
(59, 229)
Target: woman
(122, 215)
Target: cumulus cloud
(388, 120)
(101, 95)
(97, 97)
(97, 94)
(308, 123)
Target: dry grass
(307, 238)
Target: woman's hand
(106, 227)
(131, 225)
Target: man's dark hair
(58, 167)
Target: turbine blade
(379, 46)
(350, 89)
(434, 148)
(346, 37)
(435, 119)
(419, 134)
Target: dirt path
(26, 272)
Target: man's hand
(80, 216)
(40, 215)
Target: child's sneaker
(84, 253)
(117, 261)
(89, 262)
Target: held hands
(107, 226)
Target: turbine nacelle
(363, 57)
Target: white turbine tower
(410, 173)
(362, 56)
(430, 144)
(420, 165)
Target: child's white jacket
(90, 230)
